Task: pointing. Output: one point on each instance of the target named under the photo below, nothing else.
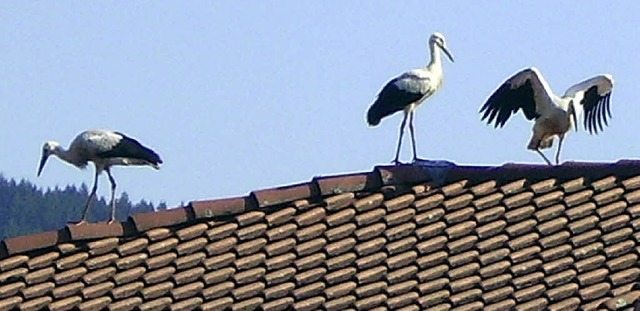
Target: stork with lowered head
(105, 149)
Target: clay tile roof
(514, 237)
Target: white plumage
(105, 149)
(554, 115)
(408, 90)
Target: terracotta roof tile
(187, 304)
(160, 260)
(150, 220)
(460, 229)
(94, 304)
(276, 305)
(519, 214)
(460, 215)
(488, 201)
(484, 188)
(274, 196)
(11, 289)
(430, 230)
(10, 303)
(250, 247)
(218, 304)
(431, 260)
(189, 261)
(36, 241)
(514, 237)
(277, 262)
(573, 185)
(217, 291)
(309, 304)
(594, 291)
(126, 304)
(617, 236)
(554, 239)
(632, 197)
(340, 217)
(340, 275)
(36, 304)
(544, 185)
(458, 202)
(186, 291)
(340, 303)
(590, 263)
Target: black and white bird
(408, 90)
(105, 149)
(554, 115)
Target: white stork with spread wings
(554, 115)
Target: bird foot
(396, 162)
(111, 221)
(81, 222)
(416, 159)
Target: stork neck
(436, 59)
(65, 155)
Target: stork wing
(594, 99)
(127, 147)
(396, 95)
(526, 90)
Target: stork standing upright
(408, 90)
(554, 115)
(105, 149)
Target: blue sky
(243, 95)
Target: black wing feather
(506, 101)
(596, 108)
(128, 147)
(391, 99)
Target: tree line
(27, 209)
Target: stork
(554, 115)
(105, 149)
(408, 90)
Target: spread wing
(593, 98)
(526, 90)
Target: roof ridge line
(318, 187)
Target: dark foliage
(26, 209)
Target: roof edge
(318, 187)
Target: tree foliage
(26, 209)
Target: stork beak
(43, 160)
(446, 51)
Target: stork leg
(402, 125)
(113, 196)
(543, 156)
(92, 195)
(413, 138)
(558, 151)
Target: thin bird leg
(396, 161)
(558, 152)
(543, 156)
(413, 138)
(90, 199)
(113, 196)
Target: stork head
(47, 149)
(437, 40)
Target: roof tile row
(524, 237)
